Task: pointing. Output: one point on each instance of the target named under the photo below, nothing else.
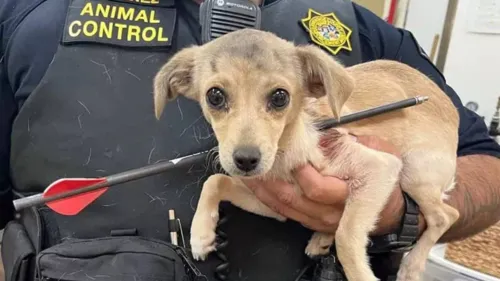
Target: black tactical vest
(92, 115)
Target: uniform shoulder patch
(328, 31)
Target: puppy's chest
(337, 159)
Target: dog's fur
(249, 65)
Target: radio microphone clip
(219, 17)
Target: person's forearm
(476, 196)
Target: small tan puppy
(262, 95)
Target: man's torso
(87, 112)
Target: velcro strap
(173, 225)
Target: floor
(2, 277)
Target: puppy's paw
(280, 218)
(313, 251)
(410, 270)
(202, 244)
(405, 276)
(319, 244)
(203, 233)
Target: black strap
(409, 223)
(405, 238)
(173, 225)
(124, 232)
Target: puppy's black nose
(246, 158)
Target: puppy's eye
(279, 99)
(216, 98)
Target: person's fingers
(282, 203)
(282, 198)
(319, 188)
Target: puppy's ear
(175, 78)
(325, 76)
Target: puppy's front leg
(378, 174)
(219, 188)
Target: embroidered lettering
(154, 2)
(157, 3)
(102, 21)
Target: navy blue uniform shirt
(26, 53)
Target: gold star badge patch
(328, 31)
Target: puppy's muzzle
(246, 158)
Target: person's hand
(322, 202)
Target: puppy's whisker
(215, 163)
(217, 167)
(212, 154)
(214, 160)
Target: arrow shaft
(123, 177)
(153, 169)
(330, 123)
(150, 170)
(29, 201)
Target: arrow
(69, 196)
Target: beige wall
(376, 6)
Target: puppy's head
(251, 86)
